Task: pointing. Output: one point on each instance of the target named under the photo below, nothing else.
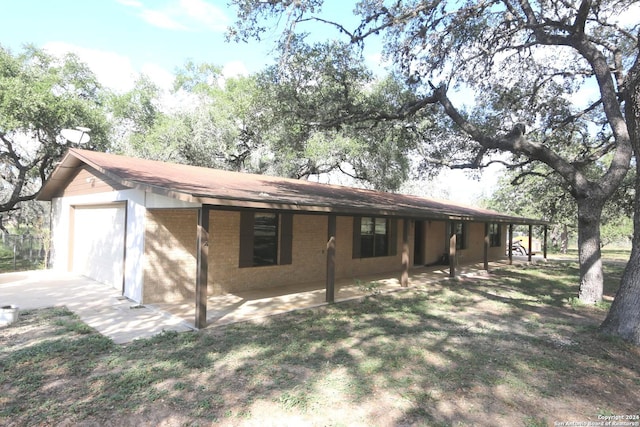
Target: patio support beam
(544, 248)
(452, 249)
(530, 242)
(404, 279)
(486, 246)
(331, 259)
(510, 244)
(202, 261)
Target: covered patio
(195, 240)
(256, 304)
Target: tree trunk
(591, 278)
(623, 319)
(564, 238)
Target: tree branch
(581, 18)
(515, 142)
(520, 178)
(576, 116)
(340, 27)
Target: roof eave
(73, 159)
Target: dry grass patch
(506, 350)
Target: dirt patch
(491, 352)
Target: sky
(119, 39)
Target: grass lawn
(7, 263)
(509, 349)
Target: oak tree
(529, 65)
(40, 95)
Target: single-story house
(163, 232)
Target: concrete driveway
(98, 305)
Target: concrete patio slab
(122, 320)
(98, 305)
(255, 304)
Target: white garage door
(98, 243)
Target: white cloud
(630, 15)
(132, 3)
(212, 17)
(161, 19)
(117, 73)
(182, 15)
(163, 78)
(378, 63)
(112, 70)
(234, 69)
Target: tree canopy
(307, 116)
(529, 66)
(39, 96)
(542, 192)
(554, 83)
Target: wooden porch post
(202, 266)
(452, 249)
(404, 279)
(544, 248)
(510, 244)
(486, 246)
(530, 242)
(331, 259)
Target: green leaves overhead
(39, 96)
(317, 111)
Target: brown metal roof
(243, 190)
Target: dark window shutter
(286, 238)
(393, 236)
(356, 237)
(246, 239)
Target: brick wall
(309, 255)
(308, 262)
(170, 255)
(499, 252)
(435, 243)
(474, 251)
(347, 266)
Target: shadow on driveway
(98, 305)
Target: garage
(98, 236)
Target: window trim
(284, 238)
(272, 239)
(391, 225)
(495, 236)
(461, 236)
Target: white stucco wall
(137, 202)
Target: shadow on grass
(508, 347)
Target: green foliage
(307, 116)
(540, 193)
(39, 96)
(321, 100)
(371, 288)
(525, 74)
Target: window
(372, 237)
(495, 235)
(265, 239)
(460, 229)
